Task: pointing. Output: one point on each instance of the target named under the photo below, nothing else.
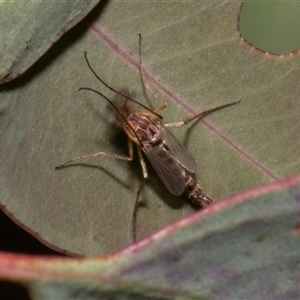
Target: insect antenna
(118, 92)
(115, 107)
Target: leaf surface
(242, 248)
(29, 28)
(193, 58)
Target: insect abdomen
(195, 193)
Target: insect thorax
(146, 126)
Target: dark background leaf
(195, 59)
(246, 247)
(29, 29)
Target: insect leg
(201, 115)
(136, 204)
(128, 158)
(164, 104)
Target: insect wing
(183, 155)
(167, 168)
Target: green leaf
(195, 60)
(29, 28)
(246, 247)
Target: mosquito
(173, 163)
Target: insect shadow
(172, 162)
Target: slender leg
(128, 158)
(135, 209)
(164, 104)
(201, 115)
(143, 164)
(136, 203)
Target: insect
(173, 163)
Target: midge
(173, 163)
